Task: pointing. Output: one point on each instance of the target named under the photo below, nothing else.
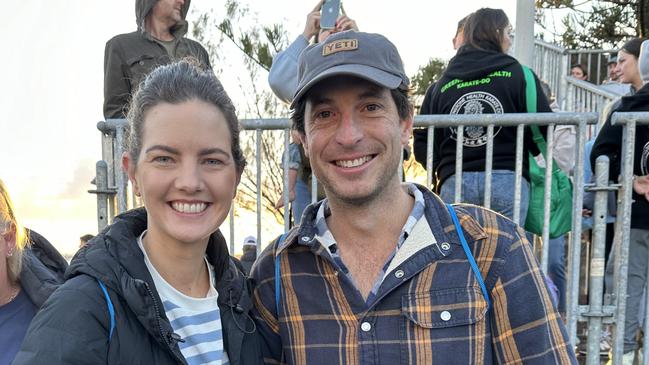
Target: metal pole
(623, 225)
(259, 205)
(547, 195)
(429, 157)
(101, 181)
(488, 166)
(518, 182)
(524, 41)
(596, 287)
(574, 249)
(459, 144)
(287, 217)
(121, 180)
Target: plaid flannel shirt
(429, 308)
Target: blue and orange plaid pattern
(428, 308)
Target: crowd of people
(428, 282)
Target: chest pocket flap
(445, 308)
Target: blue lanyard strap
(469, 255)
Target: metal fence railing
(113, 197)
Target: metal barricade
(112, 197)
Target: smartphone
(329, 14)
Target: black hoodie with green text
(477, 81)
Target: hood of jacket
(115, 258)
(42, 270)
(142, 9)
(470, 62)
(638, 101)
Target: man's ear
(406, 129)
(303, 141)
(128, 164)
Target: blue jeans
(557, 269)
(302, 199)
(502, 196)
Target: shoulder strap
(111, 309)
(469, 255)
(530, 89)
(530, 101)
(278, 280)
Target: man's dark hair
(486, 29)
(400, 97)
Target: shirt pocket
(443, 326)
(139, 67)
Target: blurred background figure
(579, 72)
(283, 73)
(84, 239)
(249, 253)
(30, 270)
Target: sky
(52, 88)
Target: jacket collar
(436, 214)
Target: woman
(482, 79)
(158, 285)
(627, 64)
(609, 143)
(30, 270)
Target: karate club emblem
(478, 102)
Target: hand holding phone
(329, 14)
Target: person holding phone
(283, 73)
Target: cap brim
(368, 73)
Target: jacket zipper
(169, 339)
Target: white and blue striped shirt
(196, 320)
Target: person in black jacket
(609, 143)
(30, 270)
(480, 79)
(158, 285)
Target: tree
(427, 75)
(256, 45)
(598, 24)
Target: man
(376, 272)
(159, 40)
(249, 253)
(612, 83)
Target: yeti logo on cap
(339, 46)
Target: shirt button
(398, 274)
(445, 316)
(305, 239)
(445, 246)
(366, 326)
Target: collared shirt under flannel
(328, 241)
(429, 308)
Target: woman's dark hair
(633, 46)
(583, 69)
(486, 28)
(399, 95)
(176, 83)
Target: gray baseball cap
(366, 55)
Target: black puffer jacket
(43, 269)
(73, 325)
(478, 81)
(609, 143)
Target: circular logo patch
(477, 102)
